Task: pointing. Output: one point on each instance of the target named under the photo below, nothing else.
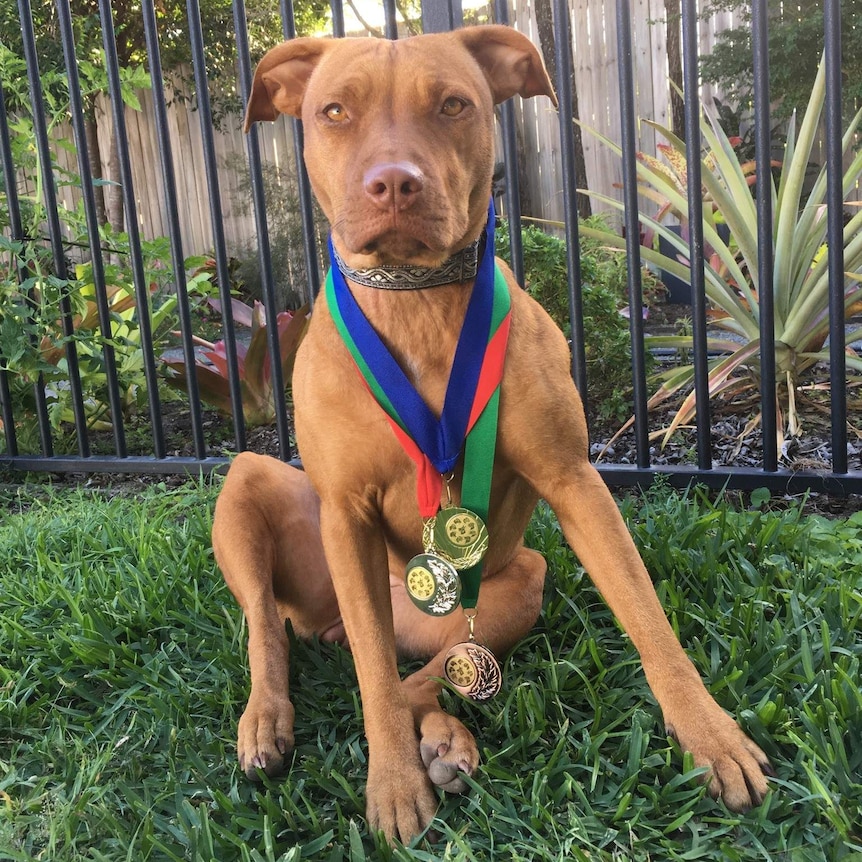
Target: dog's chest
(420, 329)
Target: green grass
(122, 676)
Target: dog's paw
(448, 751)
(265, 737)
(401, 802)
(738, 768)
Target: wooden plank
(648, 55)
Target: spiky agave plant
(801, 259)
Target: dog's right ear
(281, 78)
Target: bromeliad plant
(801, 257)
(255, 369)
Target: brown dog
(399, 148)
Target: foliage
(34, 287)
(286, 239)
(795, 35)
(262, 18)
(34, 339)
(124, 675)
(255, 368)
(25, 155)
(606, 332)
(800, 275)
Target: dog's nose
(395, 184)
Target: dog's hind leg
(266, 537)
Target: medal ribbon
(471, 405)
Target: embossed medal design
(460, 536)
(433, 584)
(472, 670)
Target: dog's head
(399, 135)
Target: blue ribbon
(441, 440)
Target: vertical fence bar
(510, 165)
(765, 240)
(632, 227)
(259, 204)
(306, 198)
(695, 230)
(55, 232)
(169, 189)
(76, 110)
(8, 417)
(337, 18)
(835, 234)
(562, 41)
(216, 220)
(136, 258)
(390, 22)
(438, 16)
(16, 231)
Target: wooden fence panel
(276, 141)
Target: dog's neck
(459, 268)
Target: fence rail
(174, 192)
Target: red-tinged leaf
(256, 375)
(121, 305)
(90, 320)
(291, 331)
(219, 361)
(213, 388)
(719, 379)
(686, 342)
(258, 315)
(239, 310)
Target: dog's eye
(335, 112)
(453, 106)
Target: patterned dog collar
(462, 266)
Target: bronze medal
(460, 536)
(433, 584)
(472, 671)
(471, 668)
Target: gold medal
(433, 584)
(472, 670)
(460, 536)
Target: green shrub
(606, 330)
(33, 336)
(286, 237)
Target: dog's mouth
(397, 250)
(395, 240)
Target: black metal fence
(840, 478)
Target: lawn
(123, 674)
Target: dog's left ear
(281, 78)
(510, 61)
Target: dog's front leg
(594, 528)
(552, 457)
(400, 799)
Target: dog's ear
(510, 61)
(281, 78)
